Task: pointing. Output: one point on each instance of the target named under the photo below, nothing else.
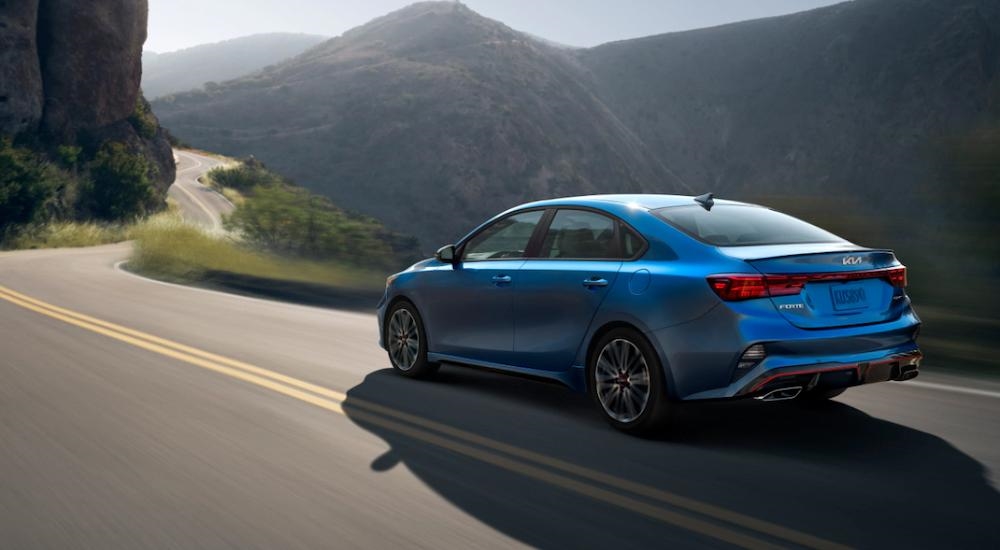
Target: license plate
(847, 297)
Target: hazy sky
(176, 24)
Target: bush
(143, 120)
(281, 217)
(120, 187)
(293, 221)
(249, 174)
(70, 155)
(27, 185)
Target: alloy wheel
(404, 339)
(622, 380)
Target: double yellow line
(690, 514)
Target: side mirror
(446, 254)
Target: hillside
(436, 114)
(852, 97)
(192, 68)
(430, 119)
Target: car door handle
(592, 282)
(502, 279)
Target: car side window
(632, 244)
(507, 238)
(580, 234)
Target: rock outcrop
(20, 73)
(70, 74)
(91, 58)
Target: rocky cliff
(70, 73)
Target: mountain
(433, 117)
(191, 68)
(69, 76)
(846, 98)
(430, 118)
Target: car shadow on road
(834, 471)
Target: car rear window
(743, 225)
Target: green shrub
(27, 185)
(70, 155)
(120, 186)
(278, 216)
(143, 120)
(248, 174)
(292, 221)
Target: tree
(142, 119)
(120, 188)
(27, 184)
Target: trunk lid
(841, 284)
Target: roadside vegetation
(276, 216)
(168, 248)
(61, 234)
(279, 234)
(281, 239)
(70, 198)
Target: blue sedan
(647, 300)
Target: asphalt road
(198, 203)
(137, 414)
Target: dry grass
(166, 247)
(69, 235)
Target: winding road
(140, 414)
(198, 203)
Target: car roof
(643, 201)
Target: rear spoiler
(774, 252)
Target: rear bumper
(899, 364)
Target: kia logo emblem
(852, 260)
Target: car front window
(505, 239)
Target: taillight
(785, 285)
(747, 287)
(738, 287)
(897, 277)
(733, 288)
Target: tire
(618, 391)
(406, 342)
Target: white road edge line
(954, 389)
(118, 267)
(216, 225)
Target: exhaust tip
(781, 394)
(908, 372)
